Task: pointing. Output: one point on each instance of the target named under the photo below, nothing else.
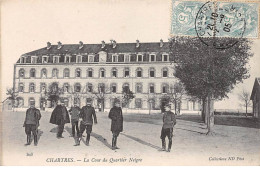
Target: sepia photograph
(130, 83)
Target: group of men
(60, 116)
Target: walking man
(31, 123)
(169, 121)
(116, 116)
(74, 112)
(60, 117)
(87, 114)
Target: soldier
(116, 116)
(87, 114)
(60, 117)
(31, 123)
(169, 121)
(74, 112)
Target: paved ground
(139, 143)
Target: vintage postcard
(130, 83)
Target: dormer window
(114, 58)
(23, 59)
(127, 58)
(45, 59)
(152, 58)
(79, 59)
(165, 58)
(67, 59)
(139, 58)
(91, 58)
(34, 59)
(56, 59)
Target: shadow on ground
(101, 139)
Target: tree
(176, 93)
(12, 95)
(208, 73)
(244, 97)
(54, 92)
(127, 96)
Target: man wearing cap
(31, 122)
(60, 117)
(169, 121)
(87, 114)
(74, 112)
(116, 116)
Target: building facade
(99, 72)
(255, 97)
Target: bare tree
(244, 97)
(176, 93)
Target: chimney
(161, 43)
(48, 45)
(111, 41)
(59, 45)
(80, 44)
(103, 44)
(114, 43)
(137, 43)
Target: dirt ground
(236, 142)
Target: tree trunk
(210, 115)
(175, 106)
(203, 111)
(246, 110)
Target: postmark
(184, 14)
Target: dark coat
(33, 116)
(57, 116)
(116, 116)
(87, 114)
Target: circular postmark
(220, 24)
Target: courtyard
(236, 142)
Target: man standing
(116, 116)
(60, 117)
(169, 121)
(87, 114)
(31, 123)
(74, 112)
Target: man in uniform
(116, 116)
(169, 121)
(60, 117)
(87, 114)
(31, 123)
(74, 112)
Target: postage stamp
(219, 19)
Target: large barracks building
(84, 71)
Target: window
(34, 59)
(77, 87)
(32, 72)
(67, 59)
(101, 88)
(22, 59)
(165, 58)
(78, 72)
(138, 88)
(102, 72)
(66, 72)
(54, 72)
(151, 88)
(127, 72)
(127, 58)
(45, 59)
(66, 87)
(114, 72)
(43, 87)
(91, 58)
(126, 88)
(113, 88)
(139, 72)
(152, 58)
(139, 58)
(31, 87)
(152, 72)
(21, 87)
(44, 73)
(89, 87)
(114, 58)
(165, 72)
(21, 73)
(79, 59)
(90, 72)
(165, 88)
(138, 103)
(56, 59)
(20, 102)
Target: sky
(27, 25)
